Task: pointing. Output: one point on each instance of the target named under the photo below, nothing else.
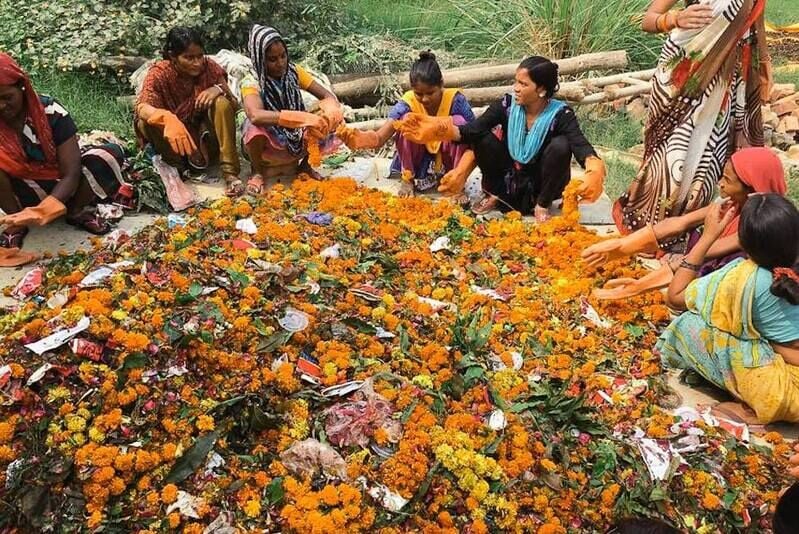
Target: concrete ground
(370, 172)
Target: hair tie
(786, 272)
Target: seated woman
(526, 162)
(186, 111)
(278, 130)
(423, 166)
(43, 174)
(741, 327)
(750, 170)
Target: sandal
(90, 221)
(13, 238)
(255, 185)
(234, 188)
(485, 204)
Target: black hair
(642, 526)
(786, 515)
(179, 39)
(543, 72)
(426, 70)
(769, 234)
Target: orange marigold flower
(205, 423)
(169, 493)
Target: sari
(705, 104)
(726, 336)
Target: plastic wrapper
(355, 422)
(180, 195)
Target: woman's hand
(205, 99)
(695, 17)
(718, 218)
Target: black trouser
(540, 183)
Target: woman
(43, 174)
(186, 111)
(278, 130)
(741, 327)
(523, 144)
(705, 103)
(750, 170)
(423, 166)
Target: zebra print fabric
(689, 138)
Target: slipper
(90, 221)
(485, 204)
(13, 239)
(234, 188)
(255, 185)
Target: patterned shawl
(12, 156)
(277, 94)
(166, 88)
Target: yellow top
(249, 85)
(447, 97)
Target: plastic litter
(57, 339)
(247, 226)
(180, 195)
(309, 457)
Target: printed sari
(725, 336)
(705, 104)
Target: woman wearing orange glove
(713, 75)
(43, 174)
(423, 166)
(749, 171)
(523, 144)
(278, 129)
(186, 111)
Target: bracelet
(690, 266)
(221, 90)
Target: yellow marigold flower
(169, 493)
(96, 435)
(205, 423)
(252, 508)
(547, 464)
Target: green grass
(782, 12)
(616, 130)
(90, 99)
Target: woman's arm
(470, 132)
(254, 109)
(69, 164)
(694, 17)
(385, 132)
(674, 226)
(320, 92)
(568, 126)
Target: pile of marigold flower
(355, 362)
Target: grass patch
(616, 130)
(91, 99)
(620, 176)
(782, 12)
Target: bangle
(221, 90)
(690, 266)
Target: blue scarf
(524, 145)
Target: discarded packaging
(308, 457)
(29, 283)
(57, 339)
(294, 320)
(247, 226)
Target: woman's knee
(223, 106)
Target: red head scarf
(12, 157)
(760, 169)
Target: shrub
(68, 33)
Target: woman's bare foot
(485, 204)
(305, 168)
(736, 412)
(405, 190)
(541, 214)
(255, 185)
(234, 186)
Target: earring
(541, 95)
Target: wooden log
(604, 81)
(616, 94)
(572, 92)
(365, 87)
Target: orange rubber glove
(624, 288)
(301, 119)
(422, 129)
(45, 212)
(332, 112)
(14, 257)
(454, 181)
(643, 240)
(593, 181)
(358, 139)
(175, 132)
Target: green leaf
(273, 342)
(360, 325)
(473, 373)
(635, 330)
(195, 290)
(658, 494)
(193, 458)
(135, 360)
(275, 491)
